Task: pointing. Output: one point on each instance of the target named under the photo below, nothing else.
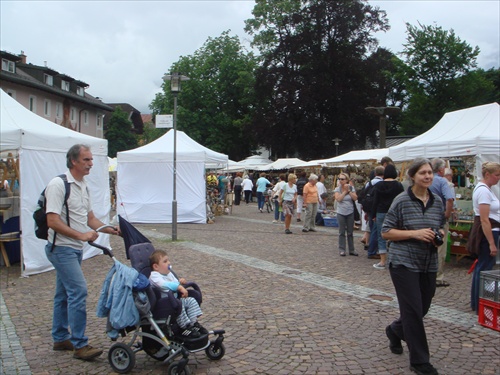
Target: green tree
(312, 85)
(119, 133)
(439, 76)
(215, 107)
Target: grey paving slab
(289, 304)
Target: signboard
(164, 121)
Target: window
(59, 110)
(72, 115)
(80, 91)
(8, 66)
(65, 85)
(32, 103)
(49, 80)
(86, 118)
(99, 130)
(46, 108)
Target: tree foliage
(215, 106)
(316, 78)
(439, 76)
(119, 133)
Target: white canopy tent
(254, 161)
(145, 180)
(42, 147)
(280, 164)
(358, 156)
(468, 132)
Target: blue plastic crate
(330, 222)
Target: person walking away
(367, 207)
(247, 186)
(411, 225)
(487, 221)
(276, 193)
(384, 193)
(222, 181)
(301, 182)
(288, 200)
(442, 189)
(345, 194)
(311, 199)
(237, 188)
(262, 184)
(65, 252)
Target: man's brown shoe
(63, 345)
(87, 353)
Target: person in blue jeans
(261, 184)
(487, 211)
(64, 250)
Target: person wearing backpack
(367, 203)
(69, 235)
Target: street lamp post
(337, 141)
(382, 112)
(175, 87)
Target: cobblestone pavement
(289, 304)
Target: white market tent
(468, 132)
(42, 146)
(145, 180)
(254, 161)
(358, 156)
(280, 164)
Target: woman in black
(384, 193)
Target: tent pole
(174, 200)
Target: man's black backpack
(40, 214)
(365, 197)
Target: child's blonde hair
(156, 257)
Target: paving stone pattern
(289, 304)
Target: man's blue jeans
(70, 299)
(373, 241)
(277, 211)
(260, 200)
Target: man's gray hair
(313, 177)
(74, 153)
(438, 164)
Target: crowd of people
(406, 225)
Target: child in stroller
(162, 278)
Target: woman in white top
(288, 200)
(487, 208)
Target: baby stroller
(160, 336)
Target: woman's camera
(438, 238)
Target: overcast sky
(123, 48)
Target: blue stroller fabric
(130, 234)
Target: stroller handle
(104, 249)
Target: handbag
(476, 234)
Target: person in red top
(310, 195)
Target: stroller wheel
(121, 358)
(215, 353)
(173, 369)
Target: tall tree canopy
(119, 133)
(316, 78)
(215, 106)
(438, 76)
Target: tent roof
(470, 131)
(21, 128)
(358, 156)
(254, 161)
(162, 149)
(279, 164)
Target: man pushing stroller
(162, 278)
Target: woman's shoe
(342, 253)
(379, 266)
(394, 341)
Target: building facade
(54, 96)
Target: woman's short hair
(416, 165)
(489, 167)
(291, 177)
(390, 171)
